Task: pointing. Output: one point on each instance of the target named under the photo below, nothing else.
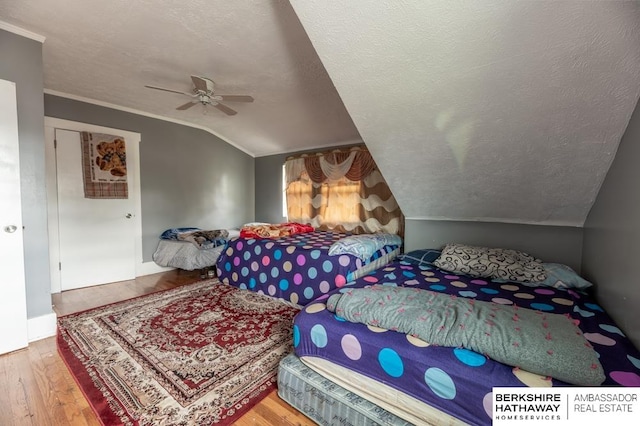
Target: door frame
(133, 157)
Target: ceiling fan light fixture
(203, 93)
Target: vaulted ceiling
(495, 110)
(108, 51)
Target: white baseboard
(42, 327)
(148, 268)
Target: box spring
(325, 402)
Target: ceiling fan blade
(225, 109)
(168, 90)
(200, 83)
(237, 98)
(187, 105)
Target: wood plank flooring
(37, 389)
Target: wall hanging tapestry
(104, 165)
(200, 354)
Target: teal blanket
(542, 343)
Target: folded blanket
(539, 342)
(274, 230)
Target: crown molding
(314, 148)
(21, 32)
(145, 114)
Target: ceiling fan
(203, 93)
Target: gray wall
(22, 63)
(269, 195)
(556, 244)
(612, 235)
(188, 176)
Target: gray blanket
(539, 342)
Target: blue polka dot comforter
(296, 268)
(456, 381)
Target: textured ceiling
(109, 50)
(506, 111)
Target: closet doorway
(92, 241)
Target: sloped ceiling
(506, 111)
(108, 50)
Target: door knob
(129, 215)
(10, 229)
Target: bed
(191, 248)
(424, 383)
(300, 267)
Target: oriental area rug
(201, 354)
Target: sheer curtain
(341, 190)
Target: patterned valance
(354, 164)
(342, 190)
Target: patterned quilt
(296, 268)
(455, 380)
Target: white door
(13, 303)
(96, 236)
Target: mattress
(185, 255)
(387, 398)
(456, 381)
(324, 402)
(297, 268)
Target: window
(341, 190)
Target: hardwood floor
(37, 389)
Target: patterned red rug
(200, 354)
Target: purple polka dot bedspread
(297, 268)
(456, 381)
